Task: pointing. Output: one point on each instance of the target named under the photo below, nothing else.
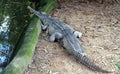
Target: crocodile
(67, 37)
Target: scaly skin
(66, 36)
(71, 43)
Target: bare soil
(100, 25)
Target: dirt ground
(100, 25)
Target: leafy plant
(118, 65)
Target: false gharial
(67, 38)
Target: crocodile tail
(86, 61)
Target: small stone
(32, 66)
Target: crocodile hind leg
(54, 36)
(77, 34)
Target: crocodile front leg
(44, 27)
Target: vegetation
(23, 34)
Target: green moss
(19, 63)
(27, 42)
